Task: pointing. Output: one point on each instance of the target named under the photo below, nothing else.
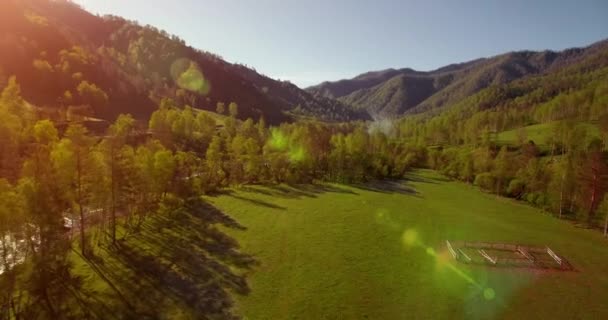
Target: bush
(486, 181)
(516, 188)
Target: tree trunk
(561, 195)
(7, 266)
(572, 201)
(49, 304)
(113, 187)
(606, 226)
(14, 308)
(593, 198)
(82, 229)
(80, 208)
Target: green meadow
(331, 251)
(540, 133)
(377, 251)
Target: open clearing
(378, 252)
(539, 133)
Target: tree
(92, 95)
(563, 182)
(164, 170)
(43, 66)
(233, 109)
(486, 181)
(593, 177)
(112, 146)
(11, 129)
(220, 108)
(467, 172)
(205, 128)
(72, 159)
(253, 161)
(12, 220)
(44, 201)
(236, 157)
(603, 125)
(11, 97)
(603, 208)
(213, 159)
(502, 169)
(338, 157)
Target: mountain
(395, 92)
(65, 58)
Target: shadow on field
(296, 191)
(179, 265)
(255, 201)
(387, 186)
(417, 178)
(303, 191)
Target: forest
(114, 181)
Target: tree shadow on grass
(415, 177)
(300, 191)
(180, 265)
(388, 186)
(255, 201)
(296, 191)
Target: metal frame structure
(507, 255)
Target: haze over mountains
(395, 92)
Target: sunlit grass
(347, 253)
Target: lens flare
(384, 218)
(410, 237)
(187, 75)
(381, 214)
(297, 154)
(489, 294)
(278, 140)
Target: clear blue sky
(308, 42)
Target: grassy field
(377, 252)
(539, 133)
(331, 251)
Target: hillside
(66, 58)
(396, 92)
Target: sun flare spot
(278, 140)
(489, 294)
(187, 75)
(410, 237)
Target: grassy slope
(338, 253)
(539, 133)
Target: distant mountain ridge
(395, 92)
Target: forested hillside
(72, 62)
(391, 93)
(562, 169)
